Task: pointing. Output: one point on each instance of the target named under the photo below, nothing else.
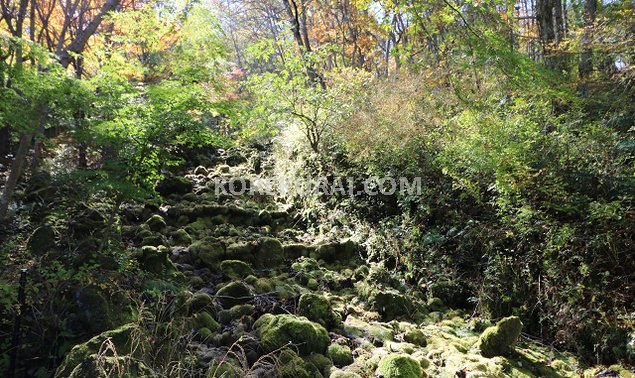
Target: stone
(415, 336)
(277, 331)
(236, 269)
(234, 293)
(157, 224)
(205, 320)
(209, 252)
(174, 185)
(341, 355)
(317, 308)
(181, 237)
(399, 366)
(41, 240)
(199, 301)
(119, 337)
(344, 374)
(499, 339)
(269, 254)
(200, 170)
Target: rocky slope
(258, 296)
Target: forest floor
(262, 296)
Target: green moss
(94, 366)
(294, 251)
(79, 353)
(209, 251)
(399, 366)
(344, 374)
(181, 237)
(277, 331)
(199, 301)
(235, 313)
(269, 254)
(154, 240)
(312, 284)
(156, 260)
(41, 240)
(319, 361)
(236, 269)
(390, 304)
(234, 293)
(498, 340)
(224, 369)
(292, 366)
(318, 309)
(341, 355)
(436, 304)
(416, 337)
(205, 320)
(157, 224)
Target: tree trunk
(14, 175)
(586, 57)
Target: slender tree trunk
(14, 174)
(585, 66)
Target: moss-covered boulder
(181, 237)
(241, 251)
(41, 240)
(344, 374)
(174, 185)
(156, 260)
(277, 331)
(236, 313)
(157, 224)
(292, 365)
(209, 252)
(236, 269)
(95, 365)
(295, 251)
(318, 309)
(390, 304)
(119, 337)
(198, 302)
(341, 355)
(322, 363)
(269, 254)
(234, 293)
(205, 320)
(399, 366)
(499, 339)
(416, 337)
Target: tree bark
(585, 66)
(14, 174)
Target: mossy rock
(415, 336)
(41, 240)
(234, 293)
(391, 304)
(156, 260)
(226, 368)
(119, 337)
(174, 185)
(342, 251)
(241, 251)
(344, 374)
(236, 313)
(318, 309)
(290, 365)
(209, 252)
(97, 311)
(181, 237)
(154, 240)
(295, 251)
(94, 366)
(157, 224)
(499, 339)
(399, 366)
(205, 320)
(236, 269)
(199, 301)
(320, 362)
(277, 331)
(270, 253)
(341, 355)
